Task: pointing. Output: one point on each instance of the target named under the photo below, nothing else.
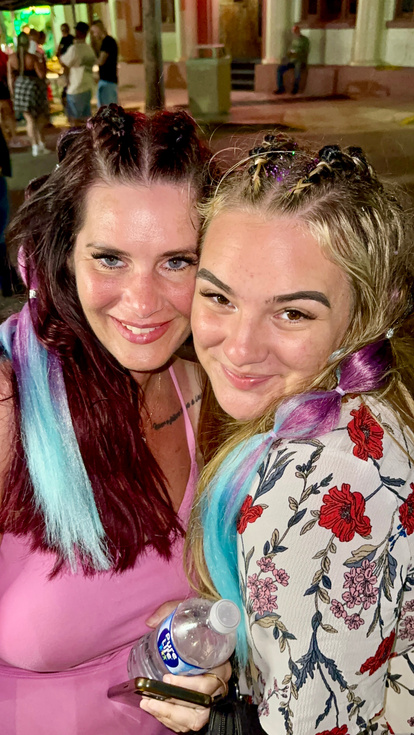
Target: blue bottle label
(168, 652)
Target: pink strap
(188, 431)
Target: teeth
(137, 330)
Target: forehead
(269, 254)
(138, 211)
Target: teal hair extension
(62, 490)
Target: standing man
(66, 40)
(296, 58)
(79, 59)
(108, 64)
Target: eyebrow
(117, 251)
(303, 295)
(208, 276)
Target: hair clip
(32, 293)
(389, 333)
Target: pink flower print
(253, 583)
(261, 594)
(351, 598)
(265, 564)
(365, 580)
(350, 578)
(263, 708)
(282, 577)
(408, 607)
(354, 621)
(269, 586)
(410, 722)
(406, 631)
(338, 609)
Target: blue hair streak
(62, 490)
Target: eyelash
(215, 296)
(212, 295)
(187, 259)
(101, 258)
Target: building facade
(349, 39)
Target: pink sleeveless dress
(64, 642)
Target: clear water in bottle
(197, 636)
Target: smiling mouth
(244, 382)
(139, 330)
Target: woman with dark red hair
(97, 423)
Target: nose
(143, 295)
(245, 343)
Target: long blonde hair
(362, 227)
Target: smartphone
(130, 691)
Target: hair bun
(111, 118)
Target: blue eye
(111, 262)
(180, 263)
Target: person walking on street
(107, 62)
(296, 58)
(26, 75)
(79, 59)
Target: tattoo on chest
(177, 415)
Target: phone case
(129, 692)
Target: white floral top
(326, 559)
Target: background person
(26, 75)
(93, 509)
(65, 42)
(296, 58)
(308, 515)
(7, 118)
(79, 59)
(108, 64)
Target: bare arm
(102, 58)
(39, 66)
(12, 66)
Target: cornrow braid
(271, 159)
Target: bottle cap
(224, 616)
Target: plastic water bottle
(197, 636)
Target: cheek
(94, 289)
(205, 325)
(181, 297)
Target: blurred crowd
(84, 69)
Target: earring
(335, 355)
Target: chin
(242, 413)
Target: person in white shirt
(79, 59)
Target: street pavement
(384, 127)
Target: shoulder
(109, 43)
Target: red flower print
(248, 514)
(407, 512)
(366, 434)
(343, 512)
(336, 731)
(382, 655)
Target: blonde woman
(301, 320)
